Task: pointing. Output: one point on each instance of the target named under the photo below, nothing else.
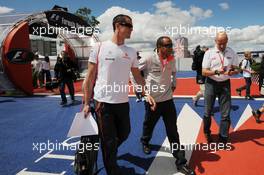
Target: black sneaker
(146, 148)
(223, 140)
(185, 169)
(256, 115)
(209, 138)
(238, 92)
(73, 102)
(63, 103)
(248, 97)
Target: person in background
(46, 70)
(261, 73)
(247, 71)
(64, 70)
(200, 79)
(36, 71)
(257, 113)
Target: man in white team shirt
(219, 64)
(113, 61)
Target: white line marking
(245, 116)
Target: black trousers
(70, 86)
(247, 86)
(167, 110)
(46, 74)
(114, 128)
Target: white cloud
(148, 26)
(167, 17)
(249, 37)
(224, 6)
(200, 13)
(5, 10)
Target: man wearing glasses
(158, 69)
(110, 63)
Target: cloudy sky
(196, 20)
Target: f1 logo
(54, 17)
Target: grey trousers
(221, 90)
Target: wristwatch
(217, 72)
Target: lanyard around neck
(166, 61)
(222, 59)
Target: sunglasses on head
(167, 45)
(126, 24)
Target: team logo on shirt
(109, 56)
(126, 56)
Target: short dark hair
(119, 19)
(159, 42)
(47, 59)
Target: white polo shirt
(115, 63)
(215, 60)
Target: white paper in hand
(83, 126)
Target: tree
(85, 14)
